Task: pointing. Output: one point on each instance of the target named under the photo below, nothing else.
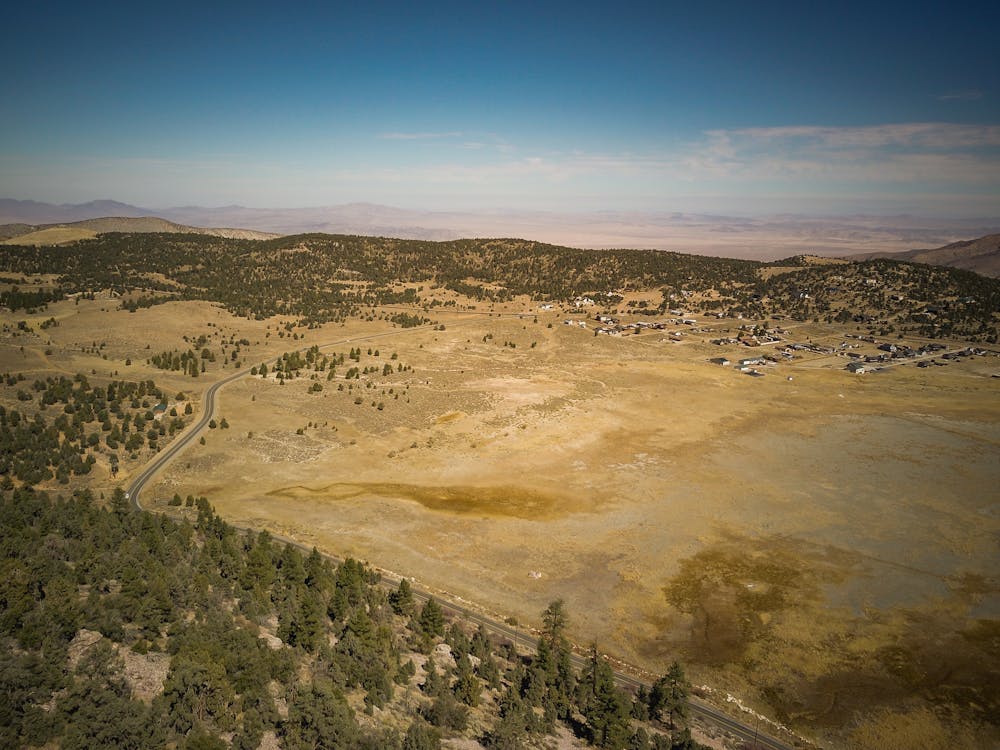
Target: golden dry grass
(52, 236)
(800, 542)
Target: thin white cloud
(914, 161)
(962, 95)
(934, 135)
(909, 157)
(419, 136)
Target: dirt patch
(757, 607)
(731, 595)
(145, 673)
(512, 501)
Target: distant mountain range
(354, 218)
(33, 212)
(759, 238)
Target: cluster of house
(611, 326)
(582, 301)
(747, 365)
(614, 327)
(750, 339)
(895, 351)
(809, 347)
(890, 352)
(760, 339)
(969, 351)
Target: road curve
(521, 639)
(167, 454)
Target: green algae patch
(731, 595)
(758, 609)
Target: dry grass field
(53, 236)
(821, 544)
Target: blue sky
(709, 106)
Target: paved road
(521, 639)
(208, 412)
(178, 446)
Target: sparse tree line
(83, 584)
(142, 301)
(189, 362)
(310, 363)
(31, 301)
(61, 425)
(292, 365)
(408, 320)
(195, 360)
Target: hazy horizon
(760, 238)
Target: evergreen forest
(125, 629)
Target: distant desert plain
(820, 545)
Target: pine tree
(434, 683)
(467, 686)
(432, 619)
(401, 599)
(319, 717)
(421, 736)
(668, 697)
(606, 707)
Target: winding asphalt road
(696, 707)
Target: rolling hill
(981, 255)
(60, 234)
(327, 278)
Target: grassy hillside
(58, 235)
(980, 255)
(15, 230)
(62, 234)
(322, 278)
